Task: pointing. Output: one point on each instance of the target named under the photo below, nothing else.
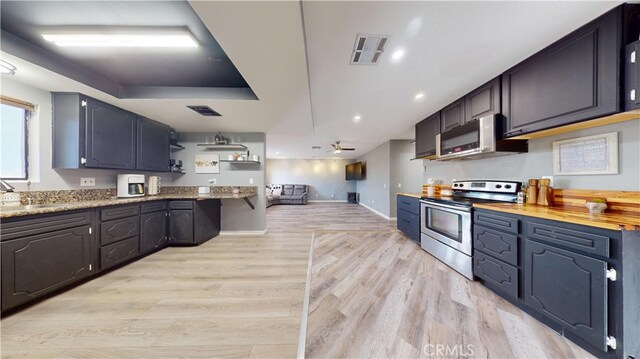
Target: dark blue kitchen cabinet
(569, 288)
(153, 231)
(181, 226)
(408, 216)
(194, 222)
(152, 146)
(88, 133)
(453, 115)
(483, 101)
(426, 132)
(574, 79)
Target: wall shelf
(229, 147)
(176, 147)
(241, 162)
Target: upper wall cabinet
(574, 79)
(153, 145)
(632, 77)
(452, 115)
(88, 133)
(426, 132)
(483, 101)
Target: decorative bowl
(596, 207)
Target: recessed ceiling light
(357, 118)
(419, 96)
(7, 68)
(277, 153)
(397, 55)
(123, 39)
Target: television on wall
(356, 171)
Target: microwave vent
(368, 49)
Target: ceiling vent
(367, 49)
(316, 147)
(204, 110)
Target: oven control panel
(487, 186)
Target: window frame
(27, 114)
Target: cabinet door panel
(499, 245)
(452, 115)
(110, 137)
(119, 252)
(572, 80)
(36, 265)
(426, 132)
(119, 229)
(497, 274)
(568, 288)
(20, 227)
(181, 226)
(153, 146)
(153, 231)
(483, 101)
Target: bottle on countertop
(522, 197)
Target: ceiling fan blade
(348, 149)
(334, 145)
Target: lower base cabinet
(153, 231)
(181, 226)
(119, 252)
(196, 225)
(567, 287)
(36, 265)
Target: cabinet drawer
(497, 220)
(108, 214)
(153, 207)
(584, 239)
(409, 224)
(496, 274)
(498, 245)
(409, 204)
(119, 229)
(12, 229)
(119, 252)
(180, 204)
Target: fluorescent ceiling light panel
(110, 39)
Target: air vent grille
(367, 49)
(204, 110)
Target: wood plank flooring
(374, 293)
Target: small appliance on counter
(130, 185)
(153, 187)
(176, 165)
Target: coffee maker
(130, 185)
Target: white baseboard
(328, 201)
(376, 212)
(243, 233)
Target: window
(13, 142)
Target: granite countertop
(43, 208)
(613, 221)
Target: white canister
(255, 158)
(230, 158)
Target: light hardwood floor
(374, 294)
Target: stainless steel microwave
(477, 139)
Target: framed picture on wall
(590, 155)
(207, 163)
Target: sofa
(287, 194)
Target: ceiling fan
(338, 149)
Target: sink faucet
(5, 187)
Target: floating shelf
(229, 147)
(176, 147)
(180, 172)
(233, 161)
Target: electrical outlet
(250, 180)
(87, 182)
(384, 185)
(372, 201)
(316, 195)
(399, 185)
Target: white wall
(406, 175)
(539, 162)
(374, 190)
(41, 175)
(325, 177)
(236, 214)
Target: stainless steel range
(446, 222)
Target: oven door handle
(445, 207)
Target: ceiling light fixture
(122, 39)
(7, 68)
(277, 153)
(357, 118)
(337, 151)
(397, 55)
(419, 96)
